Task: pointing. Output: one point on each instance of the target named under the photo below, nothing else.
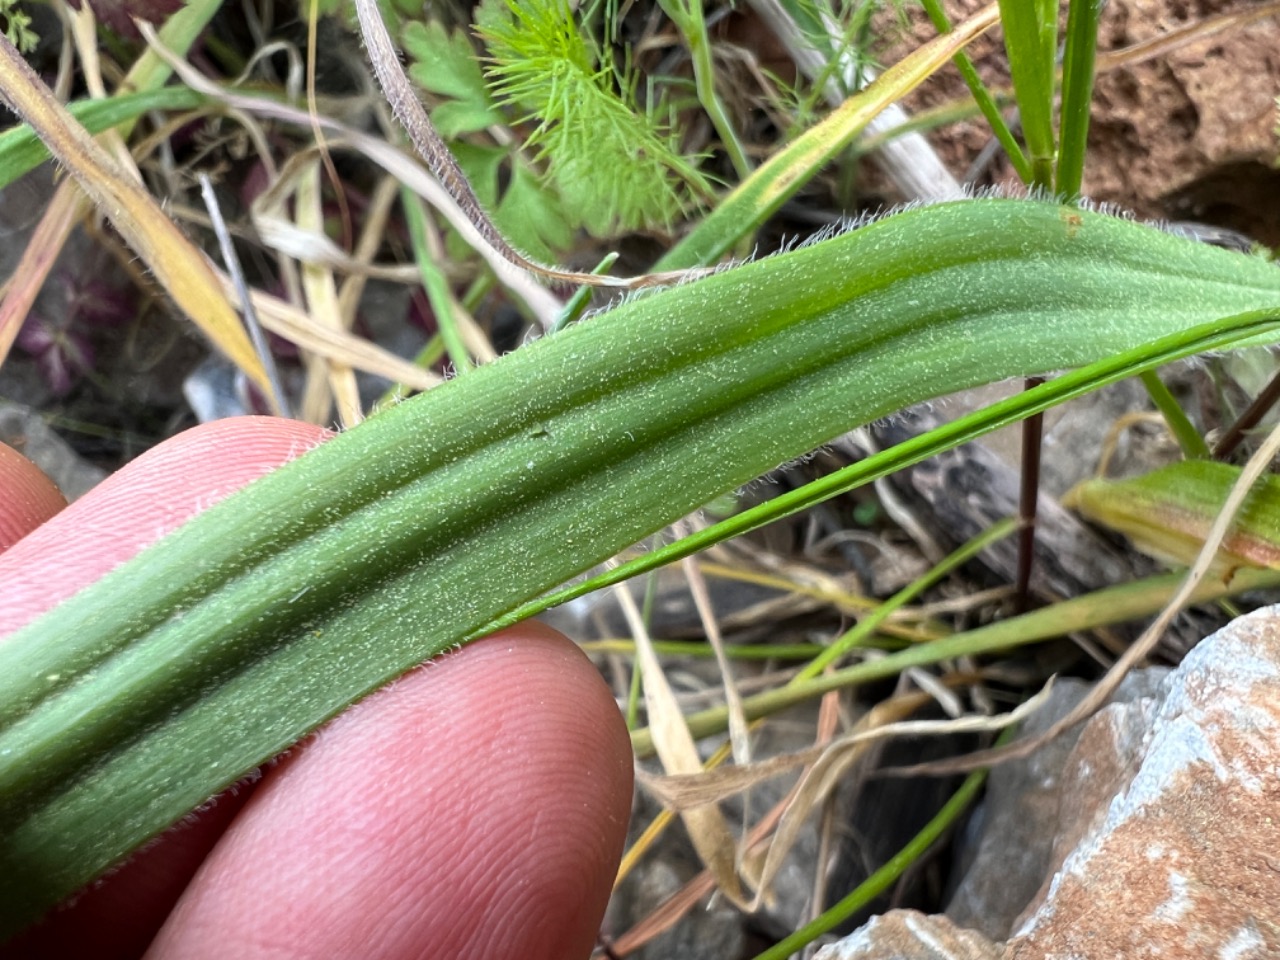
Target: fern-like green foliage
(16, 25)
(614, 166)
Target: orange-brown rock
(1168, 827)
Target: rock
(1165, 831)
(1035, 809)
(1183, 864)
(910, 935)
(711, 931)
(25, 431)
(1186, 135)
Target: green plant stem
(1031, 40)
(881, 880)
(581, 299)
(1193, 445)
(1077, 94)
(986, 103)
(434, 282)
(1101, 608)
(926, 120)
(689, 18)
(762, 194)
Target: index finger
(156, 493)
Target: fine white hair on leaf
(850, 224)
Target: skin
(475, 808)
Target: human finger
(27, 497)
(475, 808)
(154, 494)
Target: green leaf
(220, 646)
(21, 150)
(1168, 513)
(453, 118)
(482, 166)
(17, 27)
(529, 212)
(446, 64)
(532, 217)
(1077, 93)
(614, 167)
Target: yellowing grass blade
(772, 184)
(707, 828)
(1168, 512)
(179, 267)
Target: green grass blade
(1077, 93)
(762, 194)
(982, 97)
(434, 282)
(1112, 605)
(21, 150)
(1193, 445)
(690, 20)
(1031, 39)
(227, 641)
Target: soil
(1190, 135)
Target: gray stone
(25, 431)
(1028, 808)
(1182, 862)
(910, 935)
(1165, 833)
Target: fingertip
(27, 497)
(478, 805)
(163, 488)
(159, 491)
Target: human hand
(475, 808)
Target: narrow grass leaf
(1031, 40)
(21, 150)
(983, 99)
(1112, 605)
(434, 282)
(428, 522)
(1077, 93)
(775, 182)
(1168, 513)
(179, 267)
